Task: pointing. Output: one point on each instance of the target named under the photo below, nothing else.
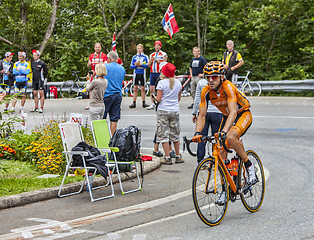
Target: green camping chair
(71, 135)
(102, 135)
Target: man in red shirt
(96, 57)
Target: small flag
(114, 42)
(169, 22)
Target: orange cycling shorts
(241, 124)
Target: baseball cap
(158, 42)
(22, 53)
(168, 70)
(36, 51)
(7, 54)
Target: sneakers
(166, 160)
(145, 105)
(13, 109)
(151, 107)
(41, 110)
(179, 159)
(172, 154)
(157, 153)
(221, 199)
(5, 110)
(191, 106)
(251, 175)
(34, 109)
(132, 105)
(87, 108)
(21, 110)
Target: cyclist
(139, 64)
(237, 117)
(21, 69)
(40, 72)
(6, 70)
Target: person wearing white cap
(6, 72)
(21, 69)
(40, 72)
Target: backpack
(128, 141)
(94, 158)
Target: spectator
(40, 72)
(168, 113)
(232, 60)
(96, 90)
(21, 69)
(196, 71)
(113, 94)
(213, 118)
(7, 76)
(139, 63)
(94, 59)
(154, 60)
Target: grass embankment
(19, 177)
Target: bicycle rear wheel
(252, 196)
(204, 197)
(69, 89)
(252, 89)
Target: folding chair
(102, 135)
(71, 135)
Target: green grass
(19, 177)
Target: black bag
(128, 140)
(94, 158)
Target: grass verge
(19, 177)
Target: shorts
(20, 87)
(241, 124)
(10, 83)
(139, 79)
(153, 78)
(113, 107)
(38, 85)
(168, 126)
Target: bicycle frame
(218, 159)
(246, 80)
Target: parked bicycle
(185, 82)
(248, 87)
(74, 89)
(128, 86)
(213, 176)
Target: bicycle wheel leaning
(69, 89)
(252, 196)
(204, 198)
(252, 89)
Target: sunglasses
(213, 77)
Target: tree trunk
(130, 20)
(51, 26)
(23, 12)
(102, 9)
(198, 23)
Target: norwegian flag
(169, 22)
(114, 42)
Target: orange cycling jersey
(227, 93)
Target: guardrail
(267, 86)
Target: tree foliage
(275, 37)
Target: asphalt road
(281, 133)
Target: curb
(49, 193)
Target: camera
(90, 73)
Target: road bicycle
(74, 89)
(128, 87)
(248, 87)
(185, 82)
(213, 176)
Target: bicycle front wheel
(252, 89)
(252, 195)
(204, 197)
